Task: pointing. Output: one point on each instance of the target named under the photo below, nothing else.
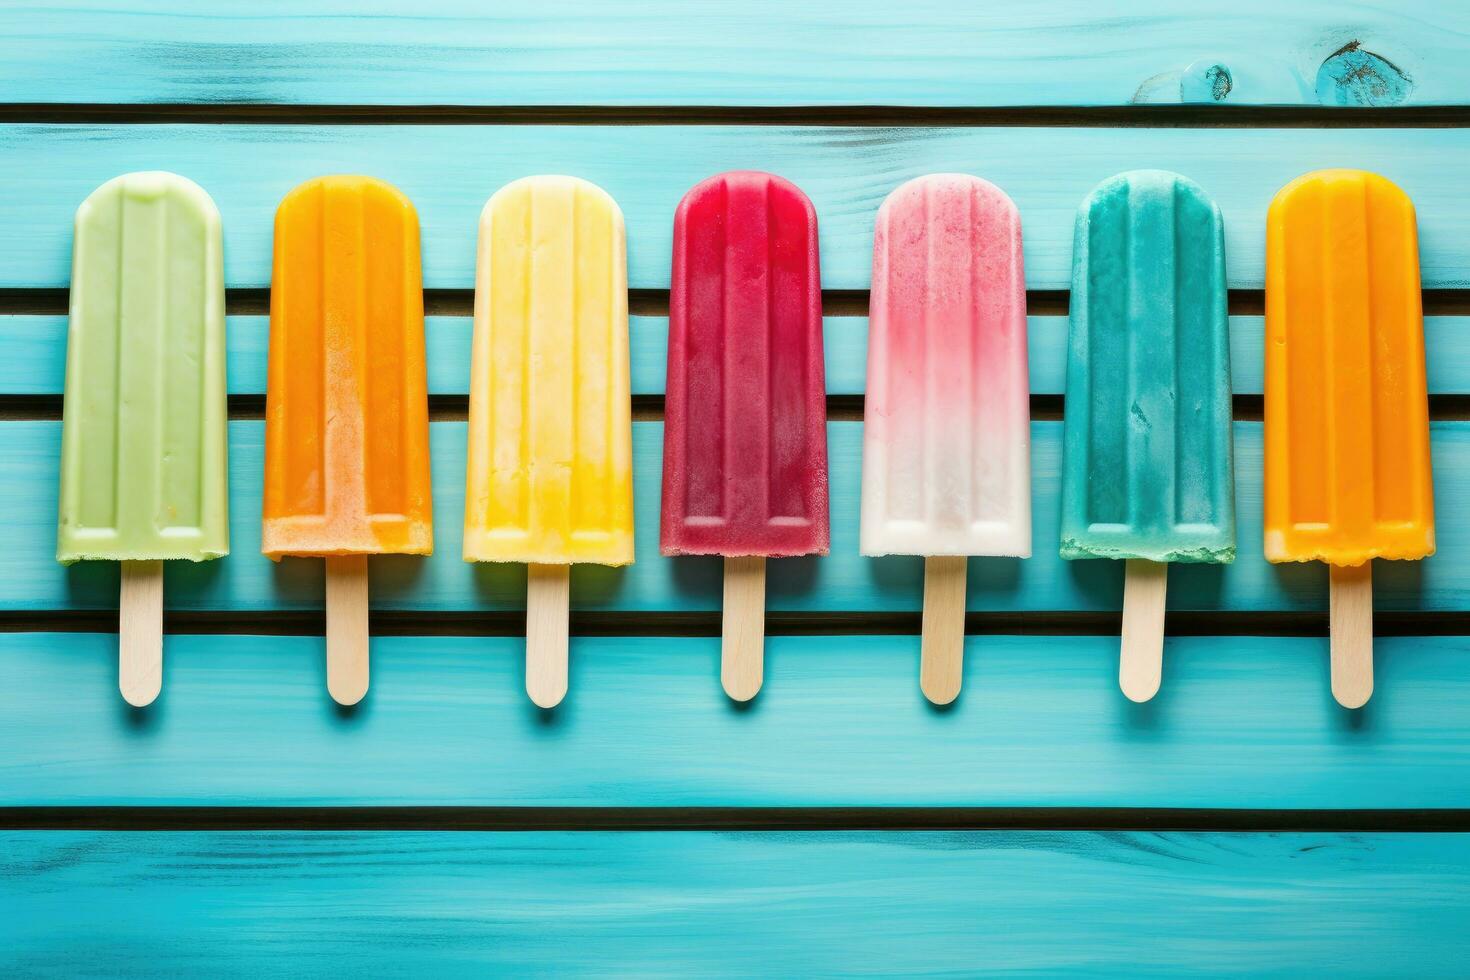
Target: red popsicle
(745, 430)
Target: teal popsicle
(1148, 469)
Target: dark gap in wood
(655, 302)
(30, 408)
(745, 819)
(707, 623)
(39, 302)
(869, 116)
(650, 408)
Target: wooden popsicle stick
(140, 632)
(942, 635)
(347, 628)
(1141, 664)
(743, 632)
(1351, 619)
(548, 599)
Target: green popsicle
(143, 452)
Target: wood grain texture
(247, 721)
(1141, 661)
(30, 578)
(346, 601)
(846, 172)
(942, 629)
(743, 627)
(140, 632)
(731, 52)
(698, 904)
(1351, 609)
(33, 354)
(547, 592)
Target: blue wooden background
(111, 860)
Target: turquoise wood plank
(725, 904)
(1241, 722)
(737, 52)
(843, 581)
(33, 354)
(449, 172)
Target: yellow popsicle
(550, 475)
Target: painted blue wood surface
(1241, 722)
(842, 581)
(740, 52)
(33, 354)
(449, 172)
(771, 905)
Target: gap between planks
(650, 408)
(247, 301)
(652, 302)
(1178, 116)
(704, 819)
(268, 622)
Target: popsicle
(1347, 426)
(947, 424)
(346, 412)
(745, 440)
(143, 441)
(550, 461)
(1148, 474)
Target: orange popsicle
(1347, 429)
(347, 433)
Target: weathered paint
(449, 171)
(1241, 722)
(679, 905)
(720, 52)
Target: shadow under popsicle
(991, 582)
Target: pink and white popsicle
(946, 434)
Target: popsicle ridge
(143, 472)
(347, 456)
(946, 440)
(745, 444)
(1148, 467)
(549, 476)
(1348, 474)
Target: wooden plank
(1241, 722)
(842, 581)
(33, 354)
(449, 172)
(707, 904)
(733, 52)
